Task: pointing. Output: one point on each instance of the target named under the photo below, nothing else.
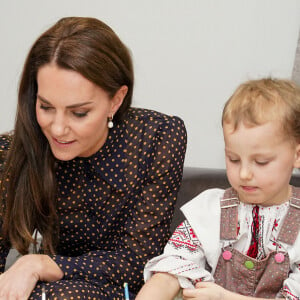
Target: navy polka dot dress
(115, 207)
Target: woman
(96, 179)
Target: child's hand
(205, 291)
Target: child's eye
(233, 160)
(80, 114)
(262, 163)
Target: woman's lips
(61, 142)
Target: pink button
(227, 255)
(279, 258)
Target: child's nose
(245, 172)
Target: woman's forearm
(48, 269)
(20, 279)
(40, 266)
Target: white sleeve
(183, 257)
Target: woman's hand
(205, 291)
(20, 279)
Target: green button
(249, 264)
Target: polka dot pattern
(115, 207)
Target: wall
(189, 55)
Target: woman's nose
(59, 126)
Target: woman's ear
(297, 157)
(118, 98)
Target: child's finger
(189, 294)
(204, 284)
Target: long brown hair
(91, 48)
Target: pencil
(43, 293)
(126, 291)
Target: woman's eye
(44, 107)
(80, 114)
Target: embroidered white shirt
(196, 244)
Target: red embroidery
(192, 233)
(275, 225)
(287, 293)
(184, 237)
(197, 280)
(253, 249)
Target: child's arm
(161, 286)
(212, 291)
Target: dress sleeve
(146, 228)
(183, 257)
(5, 141)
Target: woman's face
(72, 112)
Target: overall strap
(291, 224)
(229, 215)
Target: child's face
(259, 162)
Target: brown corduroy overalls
(243, 274)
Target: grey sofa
(196, 180)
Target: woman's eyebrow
(70, 106)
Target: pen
(126, 291)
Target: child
(244, 242)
